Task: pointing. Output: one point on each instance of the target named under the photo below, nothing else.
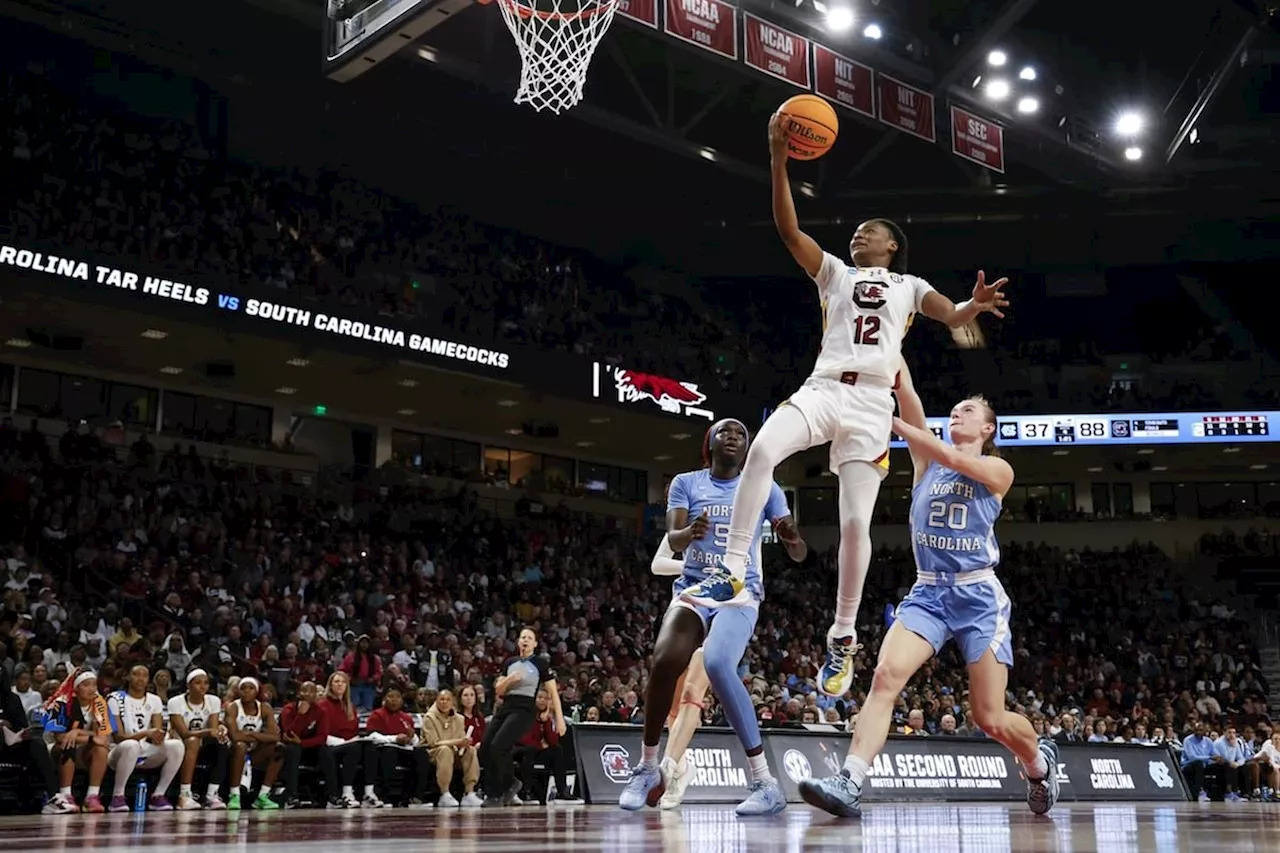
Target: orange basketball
(811, 126)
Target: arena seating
(265, 577)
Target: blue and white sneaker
(766, 798)
(836, 675)
(1043, 793)
(838, 795)
(718, 589)
(645, 788)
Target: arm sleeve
(663, 563)
(776, 507)
(830, 269)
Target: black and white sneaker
(1043, 793)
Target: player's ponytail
(989, 447)
(898, 263)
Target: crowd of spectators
(163, 197)
(179, 563)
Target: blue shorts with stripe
(972, 608)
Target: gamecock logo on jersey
(616, 762)
(869, 294)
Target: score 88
(1091, 429)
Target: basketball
(811, 126)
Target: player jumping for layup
(848, 401)
(707, 495)
(955, 500)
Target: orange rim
(527, 12)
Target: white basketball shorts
(857, 419)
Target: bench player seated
(137, 730)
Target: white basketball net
(556, 47)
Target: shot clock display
(1135, 429)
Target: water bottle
(140, 796)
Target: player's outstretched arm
(991, 471)
(986, 298)
(911, 410)
(803, 248)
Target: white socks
(759, 766)
(649, 755)
(856, 769)
(1039, 768)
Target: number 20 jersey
(865, 314)
(953, 521)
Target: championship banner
(905, 107)
(936, 769)
(838, 78)
(709, 24)
(977, 140)
(641, 11)
(777, 52)
(608, 751)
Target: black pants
(552, 757)
(1230, 777)
(216, 755)
(389, 758)
(497, 751)
(33, 752)
(351, 757)
(293, 756)
(1194, 773)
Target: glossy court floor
(885, 828)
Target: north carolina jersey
(699, 492)
(132, 715)
(953, 523)
(196, 717)
(865, 314)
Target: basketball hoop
(556, 44)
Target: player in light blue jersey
(955, 500)
(698, 508)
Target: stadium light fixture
(997, 58)
(170, 370)
(1027, 73)
(707, 154)
(1028, 105)
(977, 81)
(1129, 124)
(873, 32)
(839, 19)
(1133, 153)
(406, 412)
(998, 90)
(18, 343)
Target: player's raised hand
(990, 297)
(699, 526)
(778, 134)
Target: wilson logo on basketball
(809, 134)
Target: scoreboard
(1134, 429)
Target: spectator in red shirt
(541, 744)
(304, 726)
(344, 747)
(400, 735)
(364, 671)
(472, 714)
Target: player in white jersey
(137, 728)
(847, 400)
(254, 735)
(193, 722)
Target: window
(1123, 494)
(1101, 498)
(6, 386)
(1163, 504)
(133, 405)
(82, 398)
(559, 472)
(38, 393)
(497, 464)
(1226, 500)
(624, 484)
(406, 449)
(210, 419)
(1269, 499)
(819, 507)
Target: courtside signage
(641, 11)
(777, 52)
(905, 107)
(838, 78)
(976, 139)
(710, 24)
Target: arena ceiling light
(977, 81)
(1096, 469)
(997, 58)
(998, 90)
(514, 431)
(873, 32)
(707, 154)
(506, 404)
(597, 420)
(286, 390)
(1159, 467)
(298, 362)
(1028, 105)
(1027, 73)
(406, 412)
(1133, 153)
(1259, 466)
(1129, 123)
(20, 343)
(839, 19)
(585, 443)
(680, 436)
(806, 189)
(1145, 451)
(1061, 452)
(170, 370)
(663, 458)
(408, 383)
(155, 335)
